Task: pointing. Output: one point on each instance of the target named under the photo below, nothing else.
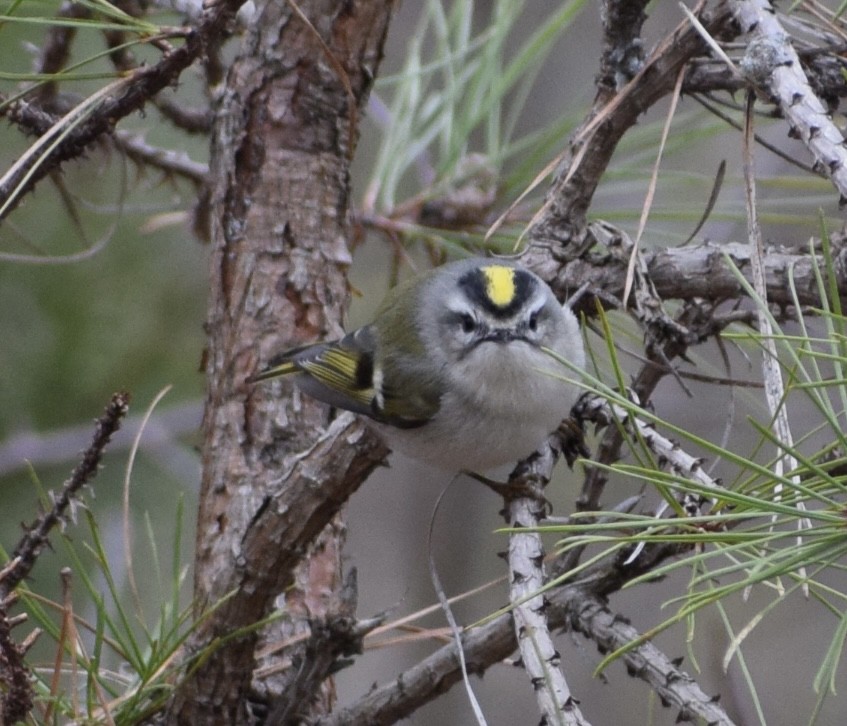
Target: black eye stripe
(463, 320)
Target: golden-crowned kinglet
(452, 369)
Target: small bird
(452, 370)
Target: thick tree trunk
(274, 475)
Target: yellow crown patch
(499, 284)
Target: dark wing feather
(346, 374)
(339, 373)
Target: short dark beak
(502, 335)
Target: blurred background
(128, 314)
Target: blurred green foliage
(128, 317)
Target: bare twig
(591, 617)
(171, 162)
(671, 456)
(323, 652)
(558, 231)
(116, 102)
(193, 120)
(697, 272)
(539, 655)
(666, 339)
(571, 605)
(623, 48)
(773, 67)
(30, 546)
(18, 700)
(56, 48)
(715, 111)
(771, 372)
(16, 693)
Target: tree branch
(558, 231)
(524, 511)
(127, 95)
(34, 540)
(591, 616)
(700, 272)
(772, 66)
(172, 163)
(277, 468)
(576, 605)
(17, 696)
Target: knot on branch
(762, 55)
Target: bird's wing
(345, 374)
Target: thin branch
(591, 617)
(773, 67)
(713, 109)
(670, 455)
(666, 340)
(175, 163)
(30, 546)
(623, 47)
(527, 577)
(192, 120)
(327, 649)
(694, 273)
(771, 370)
(560, 226)
(17, 700)
(16, 692)
(123, 98)
(572, 605)
(56, 49)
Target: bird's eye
(533, 321)
(468, 323)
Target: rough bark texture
(280, 164)
(277, 470)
